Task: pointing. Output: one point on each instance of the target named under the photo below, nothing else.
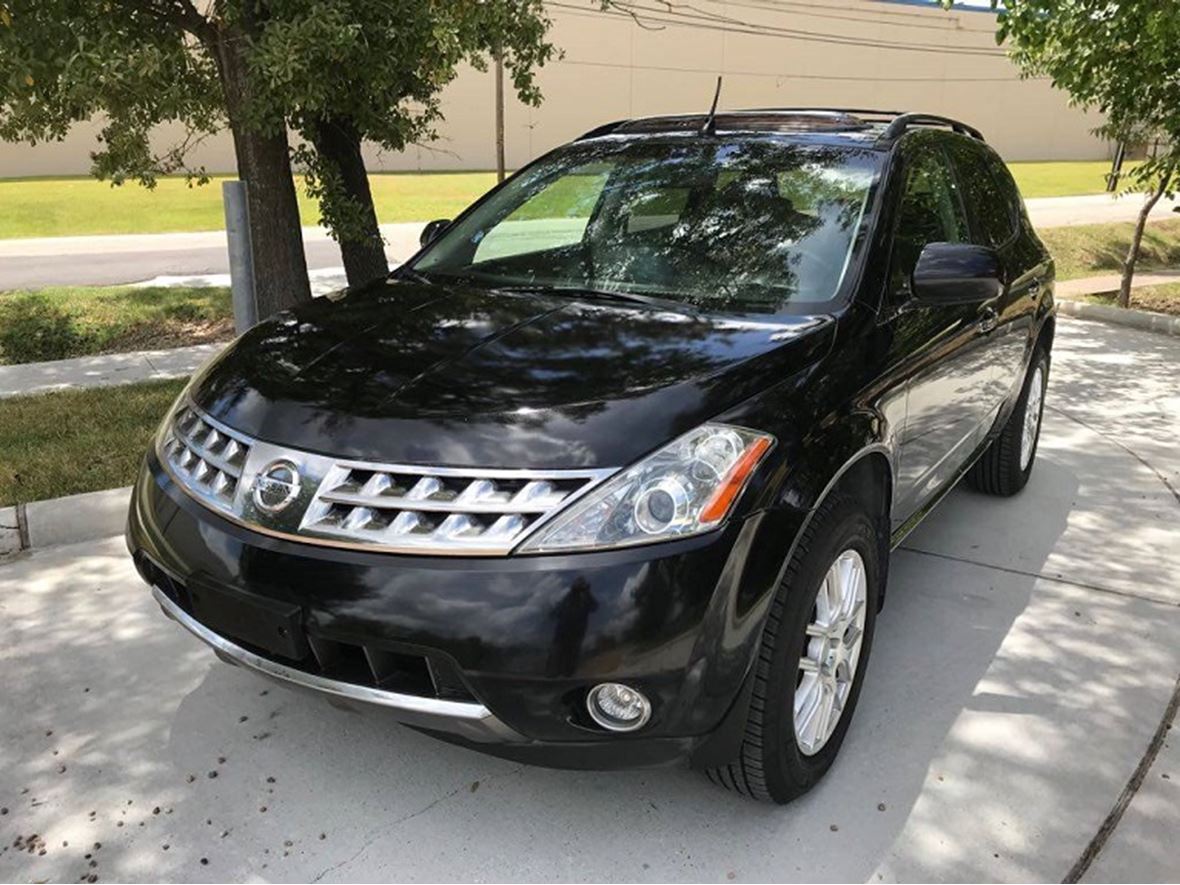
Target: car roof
(857, 127)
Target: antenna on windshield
(710, 125)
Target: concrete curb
(1121, 316)
(66, 520)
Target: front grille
(412, 507)
(208, 459)
(396, 508)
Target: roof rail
(604, 129)
(902, 122)
(856, 112)
(897, 122)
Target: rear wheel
(1005, 467)
(812, 657)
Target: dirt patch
(170, 333)
(1157, 299)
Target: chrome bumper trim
(470, 719)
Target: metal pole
(1116, 167)
(241, 254)
(499, 117)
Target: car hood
(424, 374)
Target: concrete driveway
(1025, 660)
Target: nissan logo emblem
(276, 486)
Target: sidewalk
(1111, 282)
(1093, 209)
(104, 371)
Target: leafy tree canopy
(1120, 58)
(139, 63)
(337, 72)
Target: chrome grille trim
(418, 509)
(380, 507)
(205, 456)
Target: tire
(1005, 466)
(772, 765)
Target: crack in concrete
(1126, 594)
(384, 829)
(1130, 790)
(1111, 439)
(1106, 830)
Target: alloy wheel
(1032, 417)
(827, 667)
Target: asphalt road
(110, 260)
(107, 260)
(1022, 666)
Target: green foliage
(33, 329)
(1087, 250)
(47, 452)
(64, 61)
(376, 65)
(69, 321)
(376, 68)
(1119, 58)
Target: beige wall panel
(577, 98)
(592, 35)
(613, 68)
(677, 92)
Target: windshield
(753, 225)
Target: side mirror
(432, 230)
(957, 273)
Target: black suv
(608, 474)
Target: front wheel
(812, 657)
(1004, 468)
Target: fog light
(618, 707)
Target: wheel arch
(1047, 331)
(868, 473)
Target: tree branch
(191, 18)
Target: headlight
(685, 488)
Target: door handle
(1034, 289)
(988, 319)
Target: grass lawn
(1160, 299)
(1093, 249)
(1062, 179)
(68, 321)
(47, 452)
(51, 207)
(54, 207)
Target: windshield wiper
(580, 291)
(417, 276)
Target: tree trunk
(264, 163)
(1136, 239)
(362, 246)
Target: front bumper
(510, 644)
